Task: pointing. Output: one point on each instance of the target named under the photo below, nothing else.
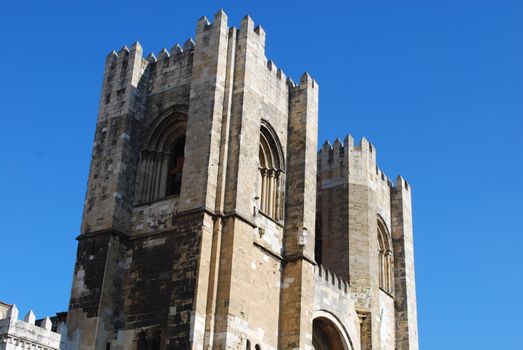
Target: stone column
(404, 277)
(204, 121)
(295, 330)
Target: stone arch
(385, 257)
(328, 333)
(161, 163)
(271, 179)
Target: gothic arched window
(271, 178)
(386, 261)
(162, 158)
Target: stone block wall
(353, 194)
(332, 299)
(18, 334)
(206, 268)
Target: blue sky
(436, 86)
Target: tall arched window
(162, 158)
(386, 261)
(271, 179)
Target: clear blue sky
(436, 86)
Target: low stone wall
(24, 334)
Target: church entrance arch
(328, 334)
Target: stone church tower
(212, 222)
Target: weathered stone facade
(208, 212)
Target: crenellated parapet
(333, 296)
(170, 69)
(25, 334)
(327, 278)
(339, 159)
(355, 197)
(129, 77)
(122, 89)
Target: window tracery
(271, 178)
(162, 159)
(385, 260)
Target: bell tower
(364, 224)
(212, 222)
(198, 224)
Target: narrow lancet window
(385, 258)
(271, 179)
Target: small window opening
(157, 340)
(174, 179)
(385, 258)
(93, 247)
(142, 341)
(318, 243)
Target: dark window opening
(318, 243)
(162, 160)
(93, 247)
(142, 341)
(157, 340)
(174, 178)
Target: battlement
(330, 279)
(340, 150)
(26, 334)
(401, 183)
(336, 158)
(118, 62)
(278, 73)
(174, 54)
(127, 66)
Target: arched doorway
(326, 335)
